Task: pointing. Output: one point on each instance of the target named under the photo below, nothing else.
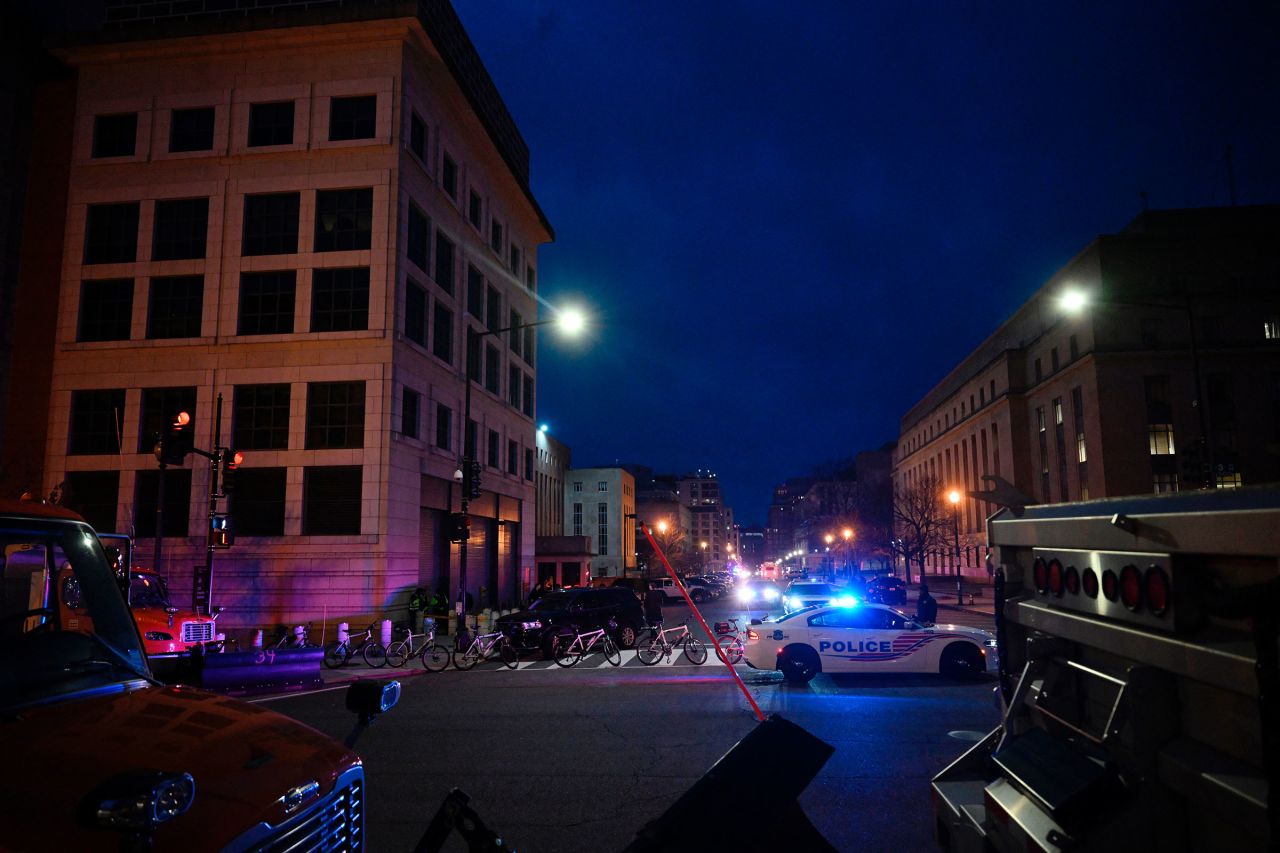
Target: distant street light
(847, 535)
(954, 497)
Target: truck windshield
(47, 649)
(147, 590)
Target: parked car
(887, 589)
(535, 628)
(105, 757)
(702, 589)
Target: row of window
(602, 526)
(270, 124)
(331, 500)
(413, 425)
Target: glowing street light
(954, 497)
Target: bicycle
(568, 652)
(298, 638)
(659, 646)
(339, 652)
(729, 641)
(435, 657)
(482, 647)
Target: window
(444, 427)
(475, 210)
(418, 137)
(344, 219)
(515, 259)
(257, 504)
(1060, 442)
(527, 397)
(410, 402)
(270, 224)
(419, 237)
(95, 495)
(1082, 454)
(415, 313)
(602, 486)
(528, 464)
(493, 308)
(353, 118)
(1228, 481)
(528, 346)
(475, 293)
(115, 135)
(442, 333)
(495, 449)
(340, 300)
(495, 237)
(577, 486)
(1271, 329)
(530, 279)
(181, 227)
(111, 233)
(1156, 389)
(514, 375)
(266, 303)
(1042, 432)
(331, 498)
(514, 322)
(271, 124)
(335, 415)
(177, 501)
(191, 130)
(1074, 345)
(1164, 483)
(175, 306)
(97, 420)
(449, 177)
(513, 458)
(473, 355)
(577, 519)
(602, 529)
(1038, 370)
(1053, 359)
(106, 310)
(444, 263)
(260, 417)
(160, 408)
(492, 366)
(1160, 439)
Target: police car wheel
(799, 664)
(961, 660)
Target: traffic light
(224, 534)
(175, 441)
(230, 462)
(459, 527)
(474, 490)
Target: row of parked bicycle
(567, 648)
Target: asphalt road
(578, 760)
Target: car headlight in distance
(844, 601)
(771, 594)
(158, 635)
(746, 594)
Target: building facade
(293, 219)
(1149, 363)
(600, 503)
(553, 459)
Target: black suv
(586, 608)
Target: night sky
(793, 219)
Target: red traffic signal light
(175, 441)
(230, 462)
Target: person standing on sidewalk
(926, 607)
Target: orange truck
(108, 757)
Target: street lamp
(571, 322)
(1074, 301)
(954, 497)
(847, 535)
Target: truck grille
(197, 632)
(335, 824)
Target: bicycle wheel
(651, 653)
(728, 648)
(398, 652)
(374, 654)
(566, 651)
(465, 658)
(694, 651)
(611, 653)
(336, 654)
(435, 657)
(508, 652)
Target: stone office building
(300, 212)
(1150, 363)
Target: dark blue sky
(792, 219)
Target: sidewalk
(978, 598)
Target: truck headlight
(158, 635)
(141, 800)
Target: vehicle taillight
(1055, 578)
(1131, 587)
(1110, 585)
(1090, 583)
(1041, 575)
(1157, 589)
(752, 635)
(1072, 580)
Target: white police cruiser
(864, 638)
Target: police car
(864, 638)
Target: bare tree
(921, 523)
(674, 544)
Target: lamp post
(1074, 301)
(954, 497)
(571, 322)
(849, 565)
